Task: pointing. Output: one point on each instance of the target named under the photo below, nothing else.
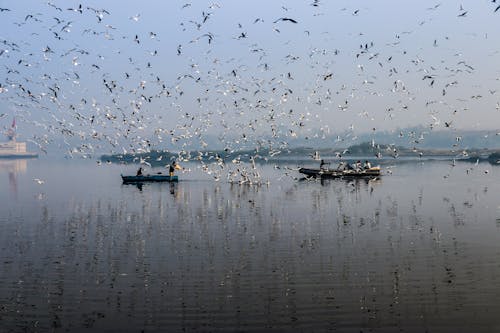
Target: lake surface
(416, 251)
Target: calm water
(417, 251)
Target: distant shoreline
(305, 154)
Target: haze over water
(415, 250)
(92, 78)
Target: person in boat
(357, 166)
(367, 165)
(322, 165)
(343, 166)
(139, 172)
(173, 166)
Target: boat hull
(149, 178)
(318, 173)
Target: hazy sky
(138, 75)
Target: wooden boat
(149, 178)
(335, 173)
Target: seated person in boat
(139, 172)
(367, 165)
(343, 166)
(357, 166)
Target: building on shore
(13, 148)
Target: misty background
(115, 77)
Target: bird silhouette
(287, 19)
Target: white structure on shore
(13, 148)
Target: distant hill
(365, 150)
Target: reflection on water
(413, 251)
(139, 186)
(13, 167)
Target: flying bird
(210, 37)
(286, 19)
(79, 9)
(38, 181)
(435, 7)
(52, 5)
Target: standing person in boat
(322, 165)
(173, 166)
(171, 169)
(139, 172)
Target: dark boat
(333, 173)
(149, 178)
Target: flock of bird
(90, 80)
